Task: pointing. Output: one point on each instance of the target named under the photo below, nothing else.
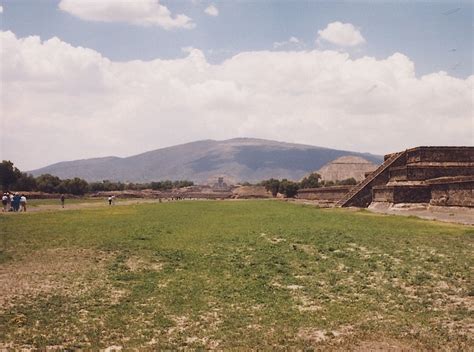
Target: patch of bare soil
(55, 271)
(189, 332)
(85, 205)
(138, 264)
(272, 239)
(387, 345)
(317, 336)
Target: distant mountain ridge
(238, 160)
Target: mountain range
(237, 160)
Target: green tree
(272, 185)
(8, 174)
(347, 182)
(311, 181)
(48, 183)
(76, 186)
(25, 183)
(106, 185)
(162, 185)
(288, 188)
(182, 183)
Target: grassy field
(247, 274)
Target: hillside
(239, 159)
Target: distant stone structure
(436, 175)
(251, 192)
(220, 185)
(324, 195)
(346, 167)
(339, 169)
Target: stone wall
(332, 194)
(425, 171)
(364, 197)
(453, 192)
(246, 192)
(412, 194)
(382, 194)
(402, 194)
(440, 154)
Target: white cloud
(1, 9)
(61, 102)
(292, 42)
(211, 10)
(136, 12)
(342, 34)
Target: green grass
(250, 274)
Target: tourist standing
(16, 202)
(23, 203)
(63, 198)
(5, 199)
(110, 200)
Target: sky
(93, 78)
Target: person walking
(63, 198)
(110, 200)
(23, 203)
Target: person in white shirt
(5, 200)
(23, 203)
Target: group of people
(16, 202)
(13, 202)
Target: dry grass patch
(59, 271)
(387, 345)
(135, 263)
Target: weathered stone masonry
(435, 175)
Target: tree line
(289, 188)
(12, 179)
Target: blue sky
(435, 35)
(90, 78)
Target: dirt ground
(85, 205)
(459, 215)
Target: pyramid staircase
(361, 187)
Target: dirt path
(85, 205)
(458, 215)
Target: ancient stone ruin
(326, 196)
(346, 167)
(220, 185)
(435, 175)
(342, 168)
